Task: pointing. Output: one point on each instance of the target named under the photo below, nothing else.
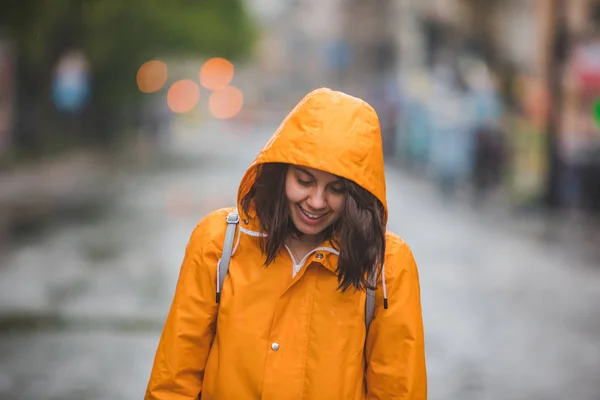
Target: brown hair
(359, 233)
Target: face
(316, 198)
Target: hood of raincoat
(330, 131)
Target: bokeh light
(152, 76)
(216, 73)
(226, 102)
(596, 112)
(183, 96)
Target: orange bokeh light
(183, 96)
(152, 76)
(226, 102)
(216, 73)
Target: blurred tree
(117, 37)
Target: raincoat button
(319, 256)
(275, 346)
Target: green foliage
(119, 35)
(131, 28)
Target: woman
(290, 323)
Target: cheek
(292, 192)
(336, 203)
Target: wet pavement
(507, 315)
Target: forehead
(316, 173)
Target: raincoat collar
(329, 254)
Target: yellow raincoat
(278, 337)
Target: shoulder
(215, 220)
(209, 233)
(399, 257)
(395, 246)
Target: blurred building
(350, 45)
(370, 34)
(545, 41)
(520, 42)
(293, 55)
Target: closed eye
(338, 189)
(304, 183)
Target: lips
(314, 217)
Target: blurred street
(507, 315)
(122, 124)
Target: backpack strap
(370, 302)
(223, 265)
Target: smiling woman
(311, 240)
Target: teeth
(311, 216)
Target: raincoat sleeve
(395, 343)
(189, 330)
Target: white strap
(223, 265)
(370, 303)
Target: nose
(316, 200)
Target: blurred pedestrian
(488, 137)
(451, 115)
(488, 160)
(293, 319)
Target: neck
(301, 245)
(308, 240)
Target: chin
(308, 230)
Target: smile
(311, 216)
